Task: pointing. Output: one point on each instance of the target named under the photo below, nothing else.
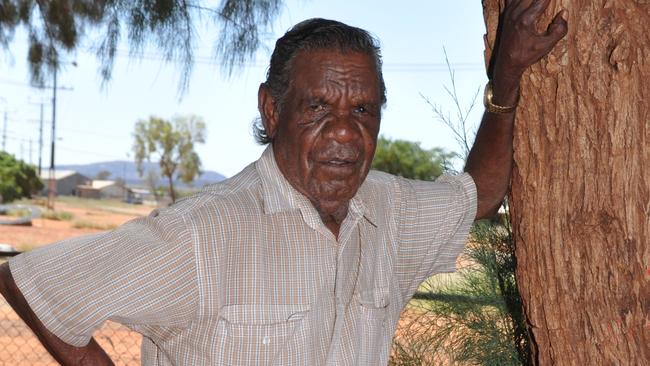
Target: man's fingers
(532, 13)
(511, 3)
(519, 7)
(558, 27)
(555, 32)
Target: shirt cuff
(24, 278)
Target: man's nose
(342, 128)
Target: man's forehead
(335, 66)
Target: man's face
(327, 129)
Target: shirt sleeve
(433, 224)
(141, 273)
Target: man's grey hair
(309, 35)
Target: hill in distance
(127, 170)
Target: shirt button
(266, 340)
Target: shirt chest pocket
(256, 334)
(372, 326)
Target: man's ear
(268, 111)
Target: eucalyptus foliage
(61, 26)
(172, 144)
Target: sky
(96, 123)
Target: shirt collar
(278, 194)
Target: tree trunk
(172, 192)
(580, 195)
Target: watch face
(487, 95)
(490, 106)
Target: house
(66, 182)
(102, 189)
(137, 195)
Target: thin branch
(217, 13)
(459, 126)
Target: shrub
(17, 179)
(477, 318)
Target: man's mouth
(339, 162)
(339, 166)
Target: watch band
(495, 108)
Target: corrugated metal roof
(58, 174)
(99, 184)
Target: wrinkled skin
(326, 132)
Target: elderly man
(303, 258)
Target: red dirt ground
(45, 231)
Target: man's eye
(361, 109)
(316, 107)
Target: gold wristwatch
(495, 108)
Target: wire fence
(20, 347)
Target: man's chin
(335, 191)
(330, 195)
(333, 209)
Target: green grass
(93, 203)
(20, 212)
(83, 224)
(106, 205)
(57, 215)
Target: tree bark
(580, 190)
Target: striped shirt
(245, 272)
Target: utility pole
(40, 141)
(51, 191)
(41, 120)
(4, 133)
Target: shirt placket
(347, 271)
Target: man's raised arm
(519, 45)
(65, 354)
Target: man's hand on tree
(520, 45)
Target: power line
(28, 85)
(392, 67)
(99, 134)
(91, 153)
(74, 150)
(17, 83)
